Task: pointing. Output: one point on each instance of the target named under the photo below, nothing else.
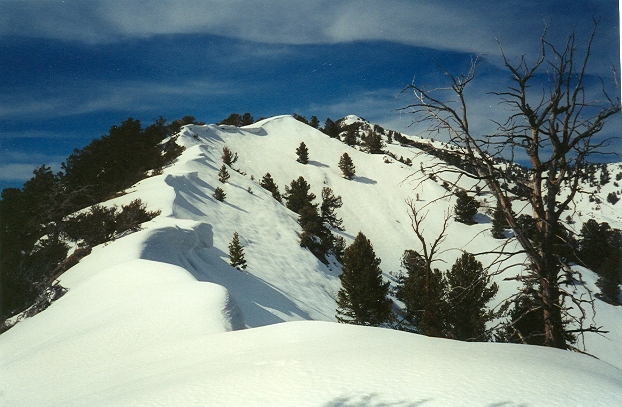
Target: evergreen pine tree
(610, 273)
(499, 223)
(600, 249)
(228, 156)
(297, 195)
(525, 319)
(314, 122)
(594, 246)
(247, 119)
(219, 194)
(347, 166)
(422, 290)
(362, 299)
(300, 118)
(268, 183)
(339, 246)
(315, 236)
(330, 203)
(330, 128)
(223, 174)
(234, 119)
(236, 253)
(303, 153)
(373, 143)
(468, 292)
(350, 137)
(466, 207)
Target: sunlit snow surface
(157, 317)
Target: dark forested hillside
(34, 218)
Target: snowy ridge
(158, 317)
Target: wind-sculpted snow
(157, 317)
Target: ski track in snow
(158, 317)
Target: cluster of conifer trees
(450, 304)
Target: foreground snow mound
(312, 364)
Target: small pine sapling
(236, 253)
(228, 156)
(499, 223)
(466, 207)
(219, 194)
(303, 153)
(223, 174)
(268, 183)
(330, 203)
(347, 166)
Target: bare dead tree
(429, 250)
(555, 123)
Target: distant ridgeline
(39, 221)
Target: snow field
(157, 316)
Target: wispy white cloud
(35, 134)
(18, 166)
(440, 24)
(16, 172)
(96, 96)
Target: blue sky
(71, 69)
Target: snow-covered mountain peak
(158, 316)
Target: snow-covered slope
(157, 317)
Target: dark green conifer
(466, 207)
(330, 203)
(331, 128)
(422, 290)
(236, 253)
(350, 137)
(347, 166)
(234, 119)
(247, 119)
(314, 122)
(268, 183)
(223, 174)
(297, 195)
(303, 153)
(228, 156)
(499, 223)
(362, 299)
(315, 236)
(373, 143)
(600, 249)
(219, 194)
(468, 292)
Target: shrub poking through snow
(228, 156)
(219, 194)
(223, 174)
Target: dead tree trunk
(554, 122)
